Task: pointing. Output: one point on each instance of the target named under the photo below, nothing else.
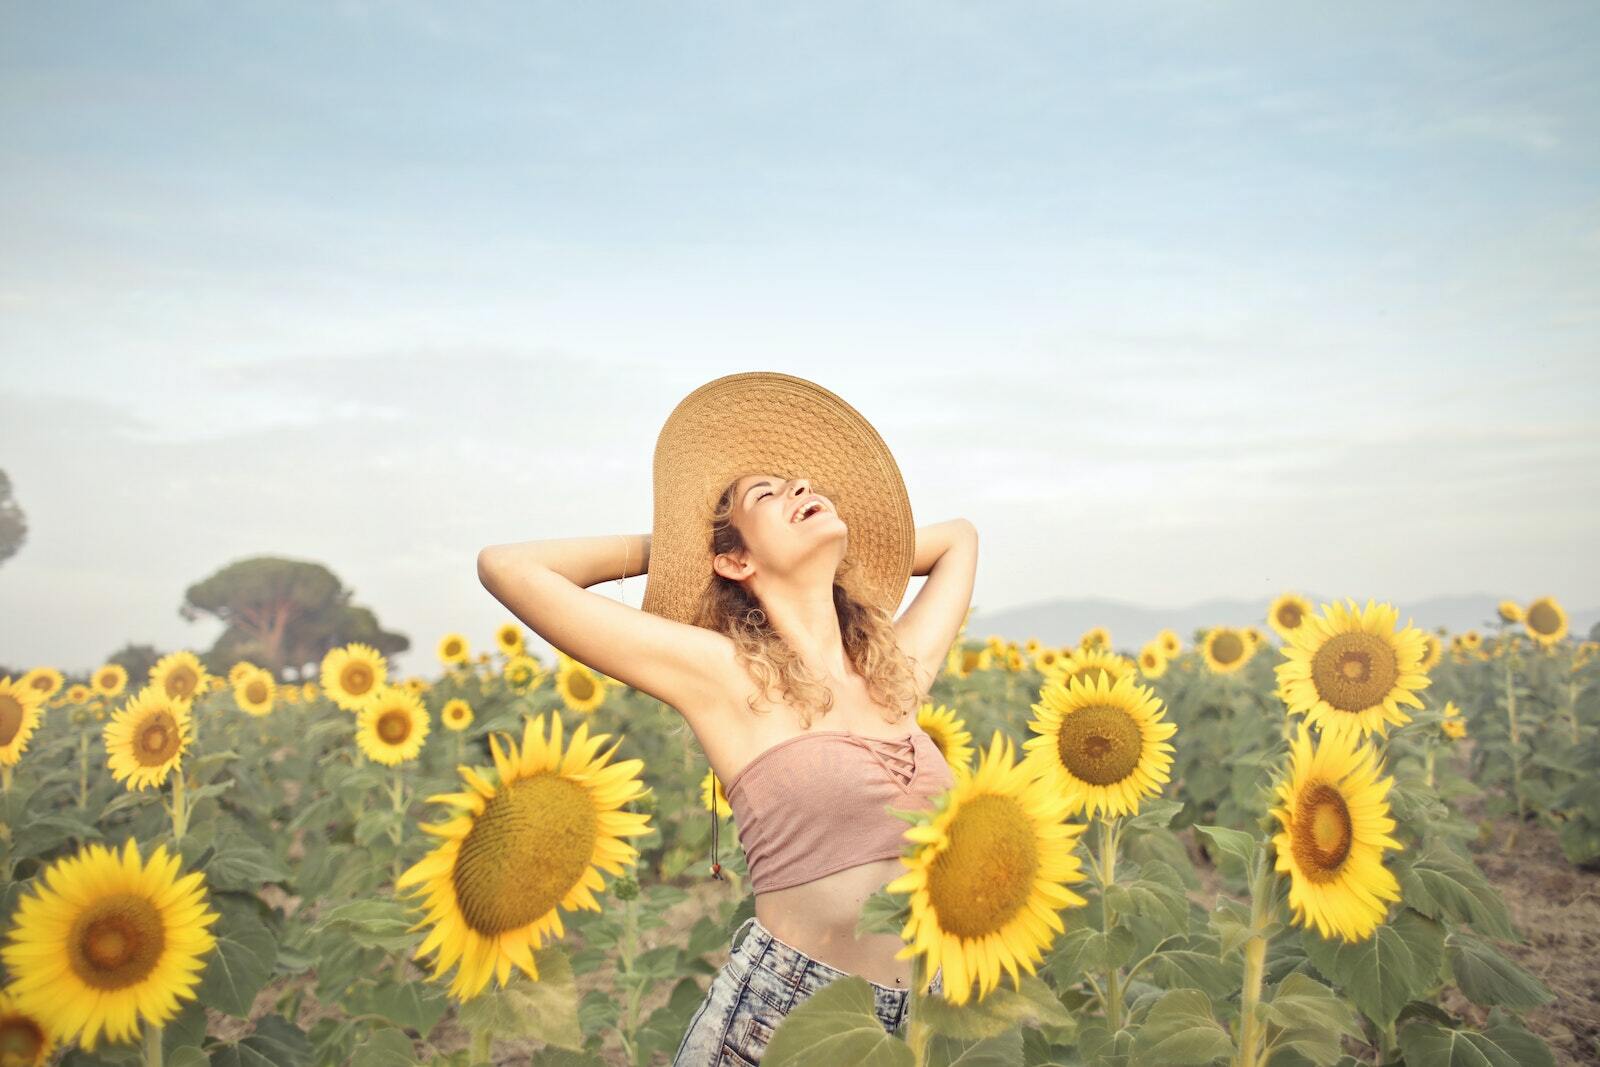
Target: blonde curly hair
(867, 630)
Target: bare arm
(545, 584)
(948, 553)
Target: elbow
(486, 558)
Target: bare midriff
(819, 918)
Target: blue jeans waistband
(788, 961)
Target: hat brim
(771, 422)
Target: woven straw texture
(777, 423)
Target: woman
(768, 608)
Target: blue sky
(1172, 301)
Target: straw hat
(765, 421)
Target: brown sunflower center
(356, 678)
(157, 739)
(1289, 616)
(256, 692)
(1354, 671)
(524, 853)
(42, 683)
(394, 726)
(1543, 618)
(108, 680)
(116, 941)
(970, 660)
(1100, 745)
(1149, 659)
(581, 687)
(1322, 832)
(1227, 647)
(984, 876)
(452, 648)
(21, 1040)
(182, 682)
(11, 712)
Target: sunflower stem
(1433, 749)
(397, 795)
(1572, 708)
(152, 1046)
(83, 770)
(1255, 955)
(180, 806)
(482, 1046)
(5, 777)
(1516, 749)
(916, 1028)
(1108, 875)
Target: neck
(810, 624)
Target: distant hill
(1061, 622)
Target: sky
(1172, 301)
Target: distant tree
(137, 661)
(282, 614)
(1594, 632)
(13, 525)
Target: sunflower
(352, 674)
(1095, 637)
(1471, 641)
(254, 691)
(1454, 724)
(110, 680)
(1287, 613)
(522, 672)
(707, 784)
(1171, 643)
(1255, 636)
(1545, 621)
(509, 638)
(180, 675)
(964, 662)
(392, 726)
(46, 681)
(1433, 652)
(580, 688)
(1031, 645)
(1089, 665)
(308, 690)
(988, 873)
(949, 734)
(515, 852)
(19, 717)
(995, 645)
(106, 939)
(25, 1040)
(1348, 669)
(1509, 611)
(1152, 661)
(240, 670)
(146, 739)
(453, 649)
(415, 685)
(1225, 649)
(1335, 827)
(1103, 744)
(1045, 659)
(456, 714)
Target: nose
(801, 486)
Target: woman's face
(766, 510)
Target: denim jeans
(763, 980)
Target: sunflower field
(1282, 845)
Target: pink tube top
(814, 804)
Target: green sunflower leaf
(1180, 1029)
(836, 1025)
(1487, 977)
(1397, 964)
(1502, 1044)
